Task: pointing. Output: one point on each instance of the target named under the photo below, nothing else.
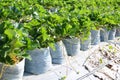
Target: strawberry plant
(41, 23)
(13, 44)
(13, 38)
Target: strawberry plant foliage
(13, 39)
(13, 45)
(28, 24)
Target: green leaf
(68, 26)
(44, 33)
(27, 56)
(10, 33)
(43, 30)
(52, 45)
(110, 47)
(63, 78)
(29, 43)
(16, 43)
(100, 60)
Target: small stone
(109, 66)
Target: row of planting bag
(42, 59)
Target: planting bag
(72, 46)
(12, 72)
(112, 34)
(58, 55)
(85, 44)
(95, 37)
(117, 32)
(104, 33)
(40, 63)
